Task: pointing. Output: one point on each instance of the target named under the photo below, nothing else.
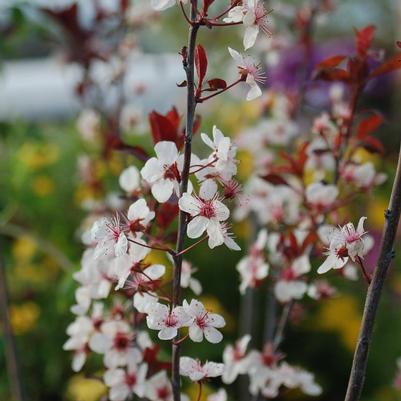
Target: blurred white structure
(44, 89)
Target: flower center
(97, 322)
(136, 225)
(171, 321)
(207, 210)
(342, 252)
(172, 173)
(201, 321)
(130, 379)
(121, 341)
(163, 393)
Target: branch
(285, 314)
(189, 67)
(358, 371)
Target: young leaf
(330, 62)
(364, 39)
(334, 74)
(165, 128)
(368, 125)
(372, 144)
(200, 63)
(217, 83)
(392, 64)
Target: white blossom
(167, 322)
(203, 323)
(207, 213)
(344, 243)
(193, 369)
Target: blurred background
(63, 64)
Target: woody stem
(189, 64)
(359, 363)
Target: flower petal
(162, 190)
(197, 226)
(166, 152)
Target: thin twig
(192, 246)
(155, 248)
(359, 363)
(203, 99)
(13, 367)
(282, 323)
(365, 273)
(189, 66)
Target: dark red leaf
(124, 4)
(166, 128)
(399, 44)
(275, 179)
(334, 74)
(166, 214)
(197, 124)
(200, 63)
(217, 83)
(293, 242)
(372, 144)
(392, 64)
(310, 239)
(330, 62)
(368, 125)
(358, 69)
(206, 5)
(364, 39)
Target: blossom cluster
(294, 199)
(117, 258)
(127, 297)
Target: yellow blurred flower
(233, 117)
(24, 317)
(29, 273)
(115, 164)
(375, 212)
(245, 166)
(243, 229)
(193, 391)
(38, 155)
(342, 315)
(42, 186)
(100, 168)
(81, 388)
(36, 274)
(363, 156)
(24, 248)
(84, 194)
